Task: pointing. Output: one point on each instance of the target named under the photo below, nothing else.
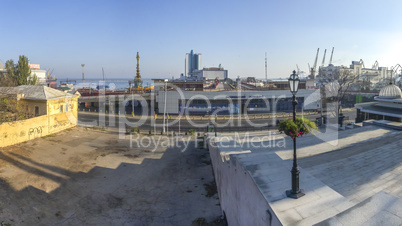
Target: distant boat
(102, 87)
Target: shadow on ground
(166, 190)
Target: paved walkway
(355, 174)
(381, 209)
(360, 171)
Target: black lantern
(294, 83)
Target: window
(36, 111)
(66, 107)
(61, 108)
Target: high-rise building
(193, 62)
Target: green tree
(7, 78)
(10, 68)
(23, 72)
(33, 80)
(13, 110)
(19, 74)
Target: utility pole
(132, 103)
(155, 122)
(179, 122)
(164, 108)
(266, 71)
(83, 81)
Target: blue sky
(64, 34)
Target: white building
(372, 78)
(387, 106)
(40, 74)
(223, 102)
(210, 73)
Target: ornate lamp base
(295, 195)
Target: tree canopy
(335, 87)
(18, 74)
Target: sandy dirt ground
(87, 176)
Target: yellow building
(54, 110)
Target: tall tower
(138, 80)
(193, 62)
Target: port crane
(332, 53)
(312, 70)
(375, 65)
(323, 59)
(395, 69)
(362, 63)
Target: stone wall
(19, 131)
(241, 200)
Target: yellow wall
(33, 103)
(53, 106)
(16, 132)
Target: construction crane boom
(323, 59)
(362, 63)
(332, 53)
(312, 75)
(375, 65)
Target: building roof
(34, 92)
(374, 108)
(390, 91)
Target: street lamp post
(295, 192)
(164, 108)
(83, 81)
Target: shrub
(135, 130)
(191, 132)
(299, 128)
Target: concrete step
(380, 209)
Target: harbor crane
(323, 59)
(362, 63)
(332, 53)
(49, 73)
(375, 65)
(395, 69)
(312, 70)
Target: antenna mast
(266, 74)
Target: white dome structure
(390, 91)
